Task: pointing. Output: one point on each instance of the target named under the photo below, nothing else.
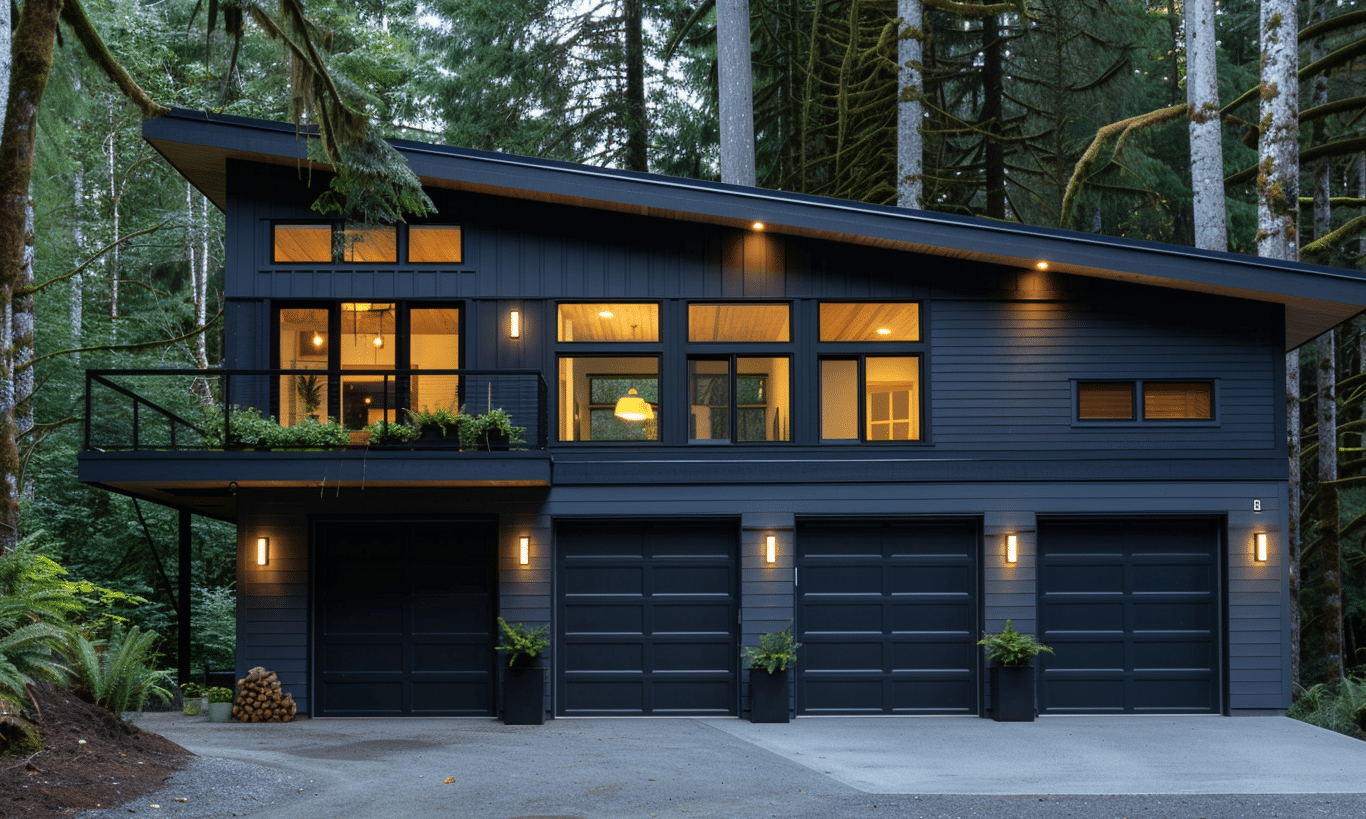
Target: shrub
(249, 428)
(219, 693)
(449, 421)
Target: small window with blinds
(1105, 401)
(1141, 401)
(1178, 401)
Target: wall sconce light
(262, 551)
(1012, 549)
(524, 550)
(771, 546)
(1259, 553)
(515, 324)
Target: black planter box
(524, 695)
(1012, 693)
(768, 696)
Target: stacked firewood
(259, 699)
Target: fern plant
(522, 645)
(1012, 648)
(775, 652)
(116, 674)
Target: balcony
(193, 438)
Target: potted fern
(310, 392)
(524, 677)
(1012, 654)
(768, 676)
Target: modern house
(745, 409)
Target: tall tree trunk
(993, 92)
(201, 294)
(32, 51)
(22, 332)
(76, 306)
(1318, 90)
(1207, 152)
(1329, 536)
(1292, 536)
(1278, 168)
(637, 139)
(736, 92)
(113, 257)
(910, 148)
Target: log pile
(259, 699)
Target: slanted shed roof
(1316, 298)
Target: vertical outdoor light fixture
(524, 550)
(771, 549)
(515, 324)
(1259, 553)
(262, 551)
(1012, 549)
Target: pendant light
(631, 407)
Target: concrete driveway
(931, 767)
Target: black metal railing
(195, 409)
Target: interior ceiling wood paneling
(739, 322)
(861, 321)
(626, 322)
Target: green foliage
(1012, 648)
(1338, 707)
(34, 604)
(522, 645)
(776, 651)
(192, 690)
(482, 431)
(387, 432)
(309, 388)
(213, 622)
(116, 674)
(247, 427)
(449, 420)
(219, 693)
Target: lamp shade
(631, 407)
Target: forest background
(127, 258)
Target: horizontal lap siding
(1001, 373)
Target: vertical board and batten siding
(766, 598)
(273, 600)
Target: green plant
(1337, 706)
(35, 601)
(310, 391)
(480, 431)
(450, 421)
(192, 690)
(523, 645)
(389, 432)
(116, 674)
(219, 693)
(248, 428)
(776, 651)
(1012, 648)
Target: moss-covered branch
(74, 16)
(76, 271)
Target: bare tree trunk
(201, 293)
(113, 258)
(910, 147)
(1207, 152)
(22, 331)
(1361, 192)
(1318, 90)
(1292, 536)
(1329, 536)
(993, 112)
(1278, 177)
(737, 92)
(77, 302)
(637, 138)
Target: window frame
(401, 244)
(581, 357)
(860, 360)
(733, 378)
(1139, 419)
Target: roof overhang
(1316, 298)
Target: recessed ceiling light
(884, 331)
(758, 226)
(1041, 265)
(605, 314)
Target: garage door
(647, 618)
(1132, 610)
(887, 617)
(404, 619)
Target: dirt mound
(89, 759)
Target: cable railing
(302, 409)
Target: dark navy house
(745, 409)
